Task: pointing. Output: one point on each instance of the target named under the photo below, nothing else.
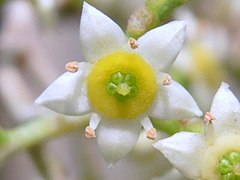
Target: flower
(122, 83)
(215, 154)
(171, 174)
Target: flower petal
(116, 138)
(68, 94)
(99, 35)
(174, 102)
(161, 45)
(226, 109)
(172, 174)
(185, 151)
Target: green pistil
(229, 166)
(122, 86)
(123, 89)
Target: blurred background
(37, 39)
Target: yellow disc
(106, 104)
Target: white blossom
(206, 156)
(118, 116)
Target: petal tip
(87, 8)
(199, 113)
(43, 99)
(86, 5)
(224, 85)
(157, 145)
(99, 34)
(179, 24)
(38, 101)
(184, 23)
(116, 139)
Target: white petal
(226, 109)
(68, 94)
(99, 35)
(185, 151)
(116, 138)
(174, 102)
(94, 121)
(173, 174)
(161, 45)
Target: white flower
(215, 154)
(121, 83)
(172, 174)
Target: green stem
(43, 129)
(163, 8)
(154, 12)
(39, 157)
(38, 131)
(174, 126)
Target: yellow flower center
(122, 85)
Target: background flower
(200, 156)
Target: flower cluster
(122, 83)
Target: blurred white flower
(216, 154)
(235, 8)
(172, 174)
(19, 27)
(121, 83)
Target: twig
(39, 130)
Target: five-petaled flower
(215, 154)
(122, 83)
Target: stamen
(209, 133)
(167, 81)
(72, 66)
(90, 133)
(152, 134)
(133, 43)
(209, 117)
